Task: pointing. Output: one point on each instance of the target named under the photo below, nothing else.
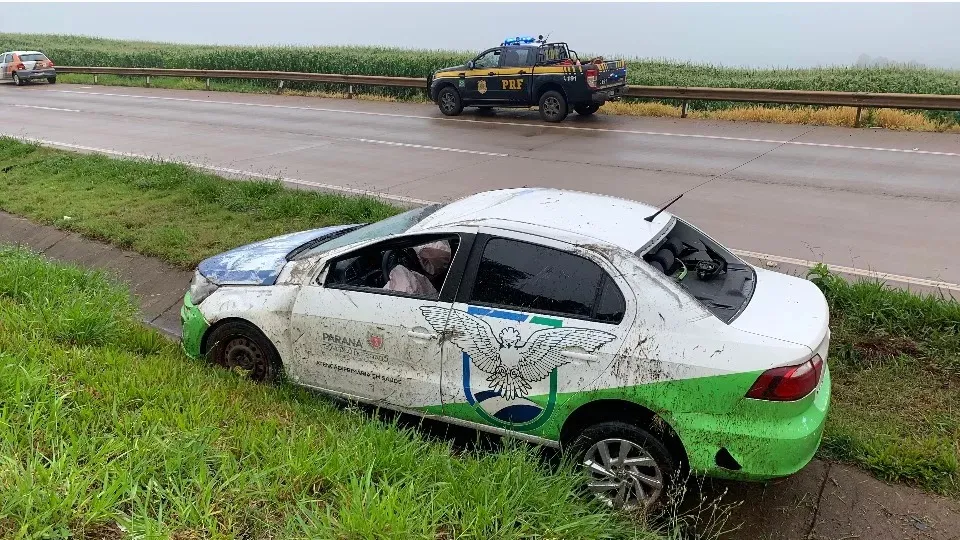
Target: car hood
(461, 67)
(261, 262)
(786, 308)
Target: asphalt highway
(865, 200)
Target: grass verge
(894, 356)
(107, 431)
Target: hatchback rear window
(33, 58)
(717, 278)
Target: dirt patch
(874, 347)
(103, 531)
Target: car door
(5, 65)
(482, 81)
(516, 74)
(533, 322)
(367, 342)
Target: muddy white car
(562, 318)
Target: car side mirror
(471, 64)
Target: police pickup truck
(526, 72)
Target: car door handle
(522, 72)
(491, 74)
(583, 357)
(421, 335)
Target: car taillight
(788, 383)
(592, 78)
(21, 66)
(49, 64)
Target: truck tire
(586, 109)
(553, 106)
(448, 99)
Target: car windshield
(397, 224)
(33, 58)
(717, 278)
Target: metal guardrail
(684, 94)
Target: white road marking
(525, 124)
(943, 285)
(426, 147)
(45, 108)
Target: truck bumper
(607, 94)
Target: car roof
(570, 216)
(23, 52)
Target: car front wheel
(241, 345)
(553, 106)
(627, 467)
(449, 101)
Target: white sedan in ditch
(567, 319)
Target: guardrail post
(350, 92)
(96, 78)
(856, 122)
(208, 84)
(148, 81)
(683, 109)
(280, 87)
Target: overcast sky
(730, 34)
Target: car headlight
(200, 288)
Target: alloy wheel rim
(552, 106)
(623, 474)
(447, 101)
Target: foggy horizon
(727, 34)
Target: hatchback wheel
(627, 467)
(17, 80)
(52, 80)
(240, 345)
(449, 101)
(553, 106)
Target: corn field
(87, 51)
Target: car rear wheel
(241, 345)
(52, 80)
(586, 109)
(553, 106)
(449, 101)
(17, 80)
(627, 467)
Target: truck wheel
(586, 109)
(627, 467)
(449, 101)
(17, 80)
(553, 106)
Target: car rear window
(530, 277)
(713, 275)
(33, 58)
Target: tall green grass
(88, 51)
(107, 431)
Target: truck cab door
(516, 74)
(483, 78)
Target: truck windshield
(397, 224)
(713, 275)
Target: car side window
(519, 57)
(488, 60)
(7, 58)
(531, 277)
(416, 267)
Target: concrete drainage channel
(823, 501)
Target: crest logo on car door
(508, 364)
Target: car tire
(553, 106)
(17, 81)
(586, 109)
(642, 483)
(241, 345)
(448, 99)
(52, 80)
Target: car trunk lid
(786, 308)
